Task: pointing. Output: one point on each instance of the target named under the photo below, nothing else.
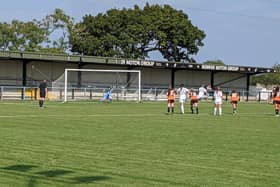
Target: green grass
(129, 144)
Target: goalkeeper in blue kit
(107, 95)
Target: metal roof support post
(172, 83)
(24, 69)
(212, 79)
(80, 66)
(247, 87)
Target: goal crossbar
(101, 70)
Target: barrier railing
(86, 93)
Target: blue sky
(239, 32)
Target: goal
(87, 84)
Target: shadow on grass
(89, 179)
(54, 173)
(20, 167)
(32, 182)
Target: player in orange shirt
(194, 100)
(234, 101)
(171, 99)
(276, 100)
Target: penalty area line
(79, 115)
(99, 115)
(187, 115)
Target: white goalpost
(99, 75)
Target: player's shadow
(20, 167)
(32, 182)
(75, 180)
(89, 179)
(55, 174)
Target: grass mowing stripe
(142, 160)
(138, 144)
(139, 161)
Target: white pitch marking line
(136, 115)
(81, 115)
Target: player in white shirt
(182, 92)
(218, 100)
(202, 92)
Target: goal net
(88, 84)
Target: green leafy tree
(57, 23)
(269, 78)
(133, 33)
(215, 62)
(24, 36)
(36, 35)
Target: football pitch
(137, 144)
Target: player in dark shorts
(234, 101)
(194, 100)
(276, 100)
(171, 93)
(43, 92)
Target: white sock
(220, 111)
(215, 111)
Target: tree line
(124, 33)
(35, 35)
(267, 79)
